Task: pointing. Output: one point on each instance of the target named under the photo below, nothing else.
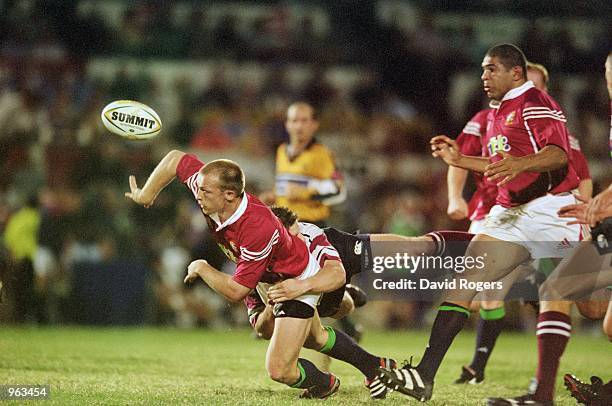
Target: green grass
(167, 366)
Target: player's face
(300, 123)
(497, 80)
(537, 78)
(210, 196)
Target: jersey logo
(510, 118)
(496, 144)
(357, 249)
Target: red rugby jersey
(578, 160)
(253, 237)
(526, 121)
(470, 144)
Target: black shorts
(330, 302)
(354, 249)
(602, 236)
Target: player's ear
(518, 73)
(229, 195)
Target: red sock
(553, 333)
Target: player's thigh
(607, 324)
(582, 272)
(498, 258)
(287, 340)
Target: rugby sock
(449, 322)
(310, 376)
(340, 346)
(489, 327)
(553, 333)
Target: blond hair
(540, 68)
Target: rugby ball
(131, 119)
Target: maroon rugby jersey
(470, 144)
(526, 121)
(253, 237)
(578, 160)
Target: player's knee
(281, 373)
(264, 332)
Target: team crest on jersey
(498, 143)
(510, 118)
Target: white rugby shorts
(536, 226)
(476, 226)
(310, 299)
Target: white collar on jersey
(234, 217)
(517, 91)
(494, 104)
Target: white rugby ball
(131, 119)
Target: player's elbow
(237, 294)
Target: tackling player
(253, 237)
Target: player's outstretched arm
(162, 175)
(329, 278)
(448, 150)
(218, 281)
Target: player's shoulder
(481, 116)
(537, 98)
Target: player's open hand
(502, 172)
(137, 195)
(194, 269)
(600, 207)
(445, 148)
(576, 211)
(457, 208)
(288, 289)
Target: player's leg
(489, 327)
(490, 324)
(339, 345)
(284, 365)
(347, 306)
(607, 323)
(500, 259)
(553, 333)
(578, 275)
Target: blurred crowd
(75, 250)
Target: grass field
(167, 366)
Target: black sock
(340, 346)
(310, 376)
(489, 327)
(449, 322)
(348, 326)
